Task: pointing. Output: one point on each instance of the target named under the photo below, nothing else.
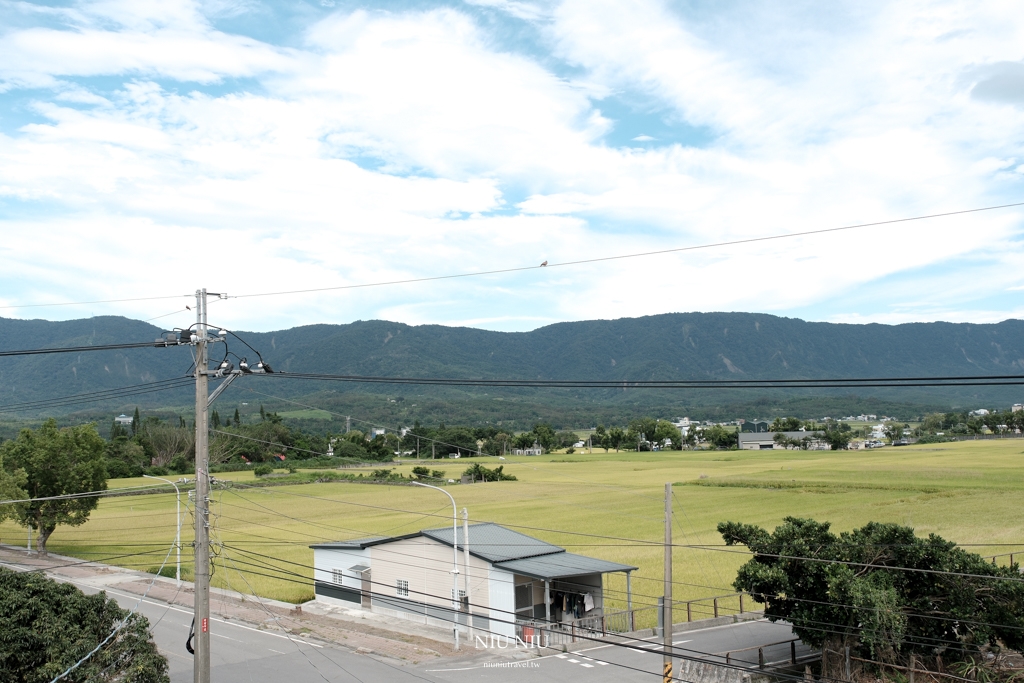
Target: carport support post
(465, 573)
(629, 602)
(547, 609)
(667, 620)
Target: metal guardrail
(762, 664)
(627, 621)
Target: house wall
(427, 566)
(326, 587)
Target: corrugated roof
(559, 565)
(495, 543)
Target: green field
(605, 505)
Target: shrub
(157, 471)
(263, 470)
(181, 465)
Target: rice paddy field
(604, 505)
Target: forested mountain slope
(669, 346)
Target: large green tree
(12, 487)
(57, 462)
(49, 626)
(879, 590)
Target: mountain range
(668, 346)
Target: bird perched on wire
(543, 264)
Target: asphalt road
(241, 653)
(630, 661)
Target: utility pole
(201, 662)
(667, 619)
(465, 573)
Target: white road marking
(185, 611)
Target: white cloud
(396, 145)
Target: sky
(152, 147)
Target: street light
(455, 558)
(177, 534)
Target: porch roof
(561, 565)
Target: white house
(123, 420)
(506, 579)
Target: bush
(931, 438)
(118, 469)
(181, 465)
(263, 470)
(157, 471)
(168, 571)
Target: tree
(49, 626)
(57, 462)
(215, 419)
(524, 440)
(237, 419)
(11, 488)
(125, 458)
(136, 422)
(720, 437)
(545, 436)
(836, 435)
(615, 437)
(665, 430)
(808, 576)
(894, 430)
(786, 424)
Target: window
(462, 598)
(338, 576)
(403, 588)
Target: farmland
(605, 505)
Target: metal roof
(505, 549)
(355, 542)
(560, 565)
(495, 543)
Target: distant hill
(669, 346)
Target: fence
(792, 660)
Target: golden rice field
(605, 505)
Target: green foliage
(125, 457)
(57, 462)
(806, 575)
(12, 487)
(719, 437)
(786, 424)
(421, 472)
(836, 434)
(480, 473)
(263, 470)
(48, 626)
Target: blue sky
(150, 148)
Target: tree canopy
(880, 590)
(57, 462)
(48, 626)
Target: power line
(831, 383)
(712, 245)
(79, 349)
(562, 264)
(98, 396)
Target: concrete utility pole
(667, 619)
(465, 573)
(201, 662)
